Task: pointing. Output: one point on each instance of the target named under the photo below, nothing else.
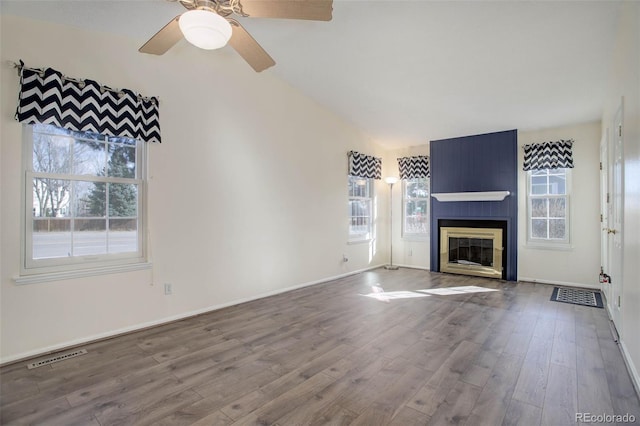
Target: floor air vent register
(56, 358)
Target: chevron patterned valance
(364, 166)
(548, 155)
(48, 97)
(414, 167)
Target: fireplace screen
(471, 251)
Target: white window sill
(416, 238)
(363, 241)
(541, 245)
(80, 273)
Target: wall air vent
(56, 358)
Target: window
(548, 205)
(360, 208)
(415, 214)
(83, 197)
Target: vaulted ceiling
(407, 72)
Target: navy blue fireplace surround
(478, 163)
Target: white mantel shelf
(471, 196)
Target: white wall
(625, 82)
(247, 192)
(580, 264)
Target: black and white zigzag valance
(549, 155)
(49, 97)
(364, 166)
(414, 167)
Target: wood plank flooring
(378, 348)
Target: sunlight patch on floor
(378, 293)
(391, 295)
(457, 290)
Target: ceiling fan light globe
(205, 29)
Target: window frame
(366, 236)
(49, 268)
(557, 243)
(419, 236)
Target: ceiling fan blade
(314, 10)
(164, 39)
(249, 48)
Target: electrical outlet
(168, 289)
(345, 258)
(410, 252)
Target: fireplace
(471, 251)
(477, 247)
(471, 171)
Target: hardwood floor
(329, 354)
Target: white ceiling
(407, 72)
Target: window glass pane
(123, 200)
(557, 228)
(416, 217)
(51, 154)
(539, 207)
(557, 207)
(123, 235)
(50, 197)
(360, 213)
(84, 135)
(89, 157)
(122, 140)
(557, 184)
(417, 188)
(122, 161)
(539, 228)
(358, 187)
(538, 185)
(90, 199)
(89, 237)
(51, 237)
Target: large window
(360, 208)
(415, 214)
(548, 206)
(83, 196)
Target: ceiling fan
(206, 24)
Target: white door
(616, 186)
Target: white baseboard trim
(562, 283)
(138, 327)
(631, 367)
(424, 268)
